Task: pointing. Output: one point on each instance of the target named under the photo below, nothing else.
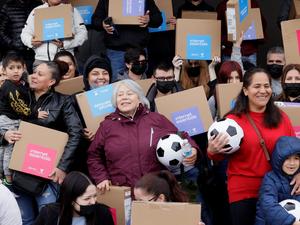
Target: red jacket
(247, 166)
(123, 150)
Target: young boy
(14, 106)
(276, 184)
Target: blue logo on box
(53, 29)
(133, 7)
(163, 26)
(99, 100)
(86, 13)
(243, 9)
(250, 34)
(198, 47)
(188, 120)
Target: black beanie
(95, 61)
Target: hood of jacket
(285, 147)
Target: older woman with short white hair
(124, 148)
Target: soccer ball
(292, 207)
(169, 151)
(230, 127)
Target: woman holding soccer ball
(257, 115)
(124, 147)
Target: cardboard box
(36, 153)
(226, 96)
(198, 39)
(203, 15)
(165, 213)
(191, 114)
(295, 9)
(166, 8)
(53, 22)
(145, 84)
(237, 15)
(293, 111)
(95, 105)
(126, 11)
(255, 31)
(86, 9)
(119, 199)
(70, 86)
(290, 31)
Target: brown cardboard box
(36, 153)
(236, 21)
(119, 199)
(145, 84)
(165, 213)
(117, 9)
(63, 11)
(188, 110)
(295, 9)
(166, 6)
(293, 112)
(255, 30)
(95, 105)
(70, 86)
(290, 31)
(226, 94)
(199, 15)
(86, 8)
(198, 39)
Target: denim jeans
(30, 206)
(117, 62)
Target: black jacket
(191, 7)
(130, 36)
(152, 92)
(49, 215)
(62, 117)
(13, 16)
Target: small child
(276, 184)
(14, 106)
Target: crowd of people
(122, 152)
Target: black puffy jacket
(13, 16)
(62, 117)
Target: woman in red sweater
(247, 167)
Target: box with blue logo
(198, 39)
(86, 9)
(53, 22)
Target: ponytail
(58, 70)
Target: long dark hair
(162, 182)
(272, 115)
(73, 186)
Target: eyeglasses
(153, 199)
(170, 78)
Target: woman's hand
(104, 186)
(89, 135)
(109, 29)
(215, 60)
(11, 136)
(296, 183)
(190, 161)
(239, 41)
(57, 175)
(144, 20)
(35, 43)
(58, 43)
(216, 144)
(42, 114)
(177, 63)
(172, 20)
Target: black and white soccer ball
(169, 151)
(292, 206)
(232, 129)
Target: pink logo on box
(297, 131)
(298, 40)
(39, 161)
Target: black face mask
(86, 210)
(193, 71)
(165, 86)
(291, 89)
(275, 70)
(138, 68)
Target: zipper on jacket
(151, 136)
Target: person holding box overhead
(45, 50)
(118, 38)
